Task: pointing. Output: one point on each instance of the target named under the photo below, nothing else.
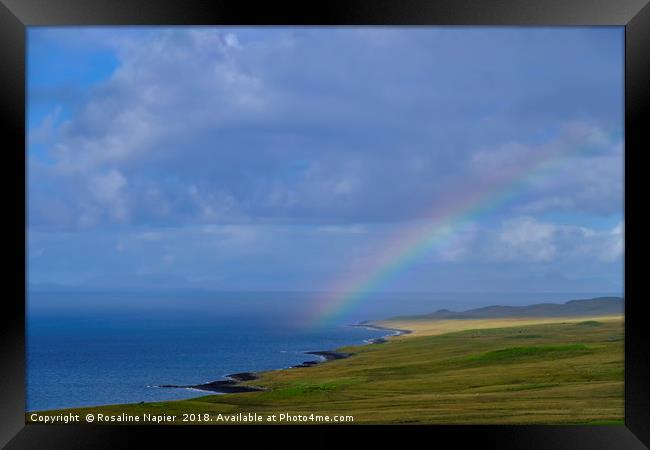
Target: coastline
(361, 384)
(371, 326)
(231, 384)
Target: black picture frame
(16, 15)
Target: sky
(290, 158)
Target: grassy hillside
(570, 371)
(422, 327)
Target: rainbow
(464, 204)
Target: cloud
(297, 125)
(45, 131)
(236, 155)
(526, 240)
(516, 253)
(579, 170)
(293, 158)
(107, 188)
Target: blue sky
(286, 158)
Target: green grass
(519, 354)
(590, 323)
(302, 389)
(560, 373)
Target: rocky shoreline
(228, 386)
(231, 383)
(325, 356)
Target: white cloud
(220, 126)
(580, 170)
(526, 239)
(108, 188)
(45, 132)
(615, 247)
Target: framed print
(350, 217)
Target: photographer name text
(189, 418)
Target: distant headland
(600, 306)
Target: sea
(95, 348)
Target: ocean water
(88, 349)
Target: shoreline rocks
(231, 384)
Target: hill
(601, 306)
